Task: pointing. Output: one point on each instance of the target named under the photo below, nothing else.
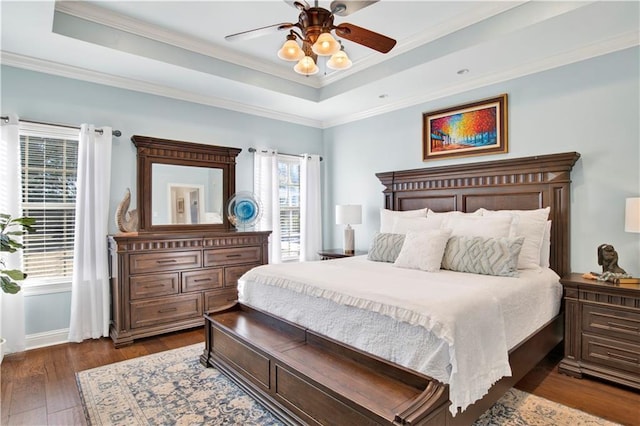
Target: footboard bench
(309, 379)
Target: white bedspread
(452, 326)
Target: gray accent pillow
(483, 255)
(385, 247)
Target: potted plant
(9, 229)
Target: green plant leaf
(26, 222)
(6, 243)
(9, 286)
(14, 274)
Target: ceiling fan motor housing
(313, 22)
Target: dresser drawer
(153, 285)
(165, 310)
(206, 279)
(170, 261)
(612, 353)
(216, 299)
(233, 273)
(611, 322)
(232, 256)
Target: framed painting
(473, 129)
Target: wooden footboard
(305, 378)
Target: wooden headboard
(513, 184)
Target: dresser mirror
(182, 185)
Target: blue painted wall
(43, 97)
(591, 107)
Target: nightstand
(602, 330)
(338, 253)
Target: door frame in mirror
(152, 150)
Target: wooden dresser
(602, 330)
(163, 282)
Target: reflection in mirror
(186, 195)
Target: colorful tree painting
(474, 127)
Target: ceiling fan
(314, 28)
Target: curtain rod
(281, 153)
(116, 133)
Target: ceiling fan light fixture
(306, 66)
(325, 45)
(339, 61)
(290, 50)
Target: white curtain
(265, 187)
(310, 208)
(12, 316)
(90, 284)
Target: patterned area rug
(173, 388)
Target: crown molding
(54, 68)
(624, 41)
(441, 30)
(101, 16)
(621, 42)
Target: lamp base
(349, 240)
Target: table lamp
(632, 215)
(349, 214)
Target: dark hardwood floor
(39, 386)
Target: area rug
(173, 388)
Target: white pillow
(453, 213)
(423, 250)
(531, 225)
(387, 217)
(402, 225)
(480, 226)
(545, 248)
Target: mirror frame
(164, 151)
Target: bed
(309, 372)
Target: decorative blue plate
(244, 209)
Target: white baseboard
(47, 338)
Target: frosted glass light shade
(290, 51)
(306, 66)
(632, 215)
(339, 61)
(325, 45)
(348, 214)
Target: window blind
(289, 195)
(49, 156)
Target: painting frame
(475, 128)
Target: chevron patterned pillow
(483, 255)
(385, 247)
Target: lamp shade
(306, 66)
(348, 214)
(632, 215)
(325, 45)
(290, 51)
(339, 61)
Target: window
(49, 159)
(289, 195)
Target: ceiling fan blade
(259, 32)
(344, 8)
(365, 37)
(298, 4)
